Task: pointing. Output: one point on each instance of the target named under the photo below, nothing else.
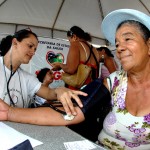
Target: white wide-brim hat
(113, 19)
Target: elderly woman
(127, 126)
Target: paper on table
(9, 137)
(79, 145)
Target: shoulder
(1, 63)
(109, 60)
(30, 81)
(1, 60)
(24, 72)
(74, 46)
(27, 76)
(115, 76)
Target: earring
(102, 58)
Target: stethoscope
(8, 81)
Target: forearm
(111, 66)
(64, 95)
(69, 69)
(64, 67)
(41, 116)
(47, 93)
(51, 95)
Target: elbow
(71, 71)
(77, 119)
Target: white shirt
(22, 86)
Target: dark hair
(107, 51)
(7, 41)
(145, 32)
(79, 33)
(42, 73)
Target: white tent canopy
(53, 18)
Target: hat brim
(113, 19)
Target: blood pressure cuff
(98, 101)
(95, 108)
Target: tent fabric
(53, 18)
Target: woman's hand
(4, 110)
(64, 95)
(56, 66)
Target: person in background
(127, 126)
(18, 86)
(79, 52)
(45, 76)
(108, 63)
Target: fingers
(56, 66)
(54, 69)
(69, 108)
(65, 98)
(76, 98)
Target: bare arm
(105, 83)
(73, 59)
(39, 116)
(111, 65)
(64, 95)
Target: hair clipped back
(7, 41)
(79, 33)
(5, 45)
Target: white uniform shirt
(22, 86)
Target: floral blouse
(121, 130)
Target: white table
(53, 137)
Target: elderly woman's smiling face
(132, 49)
